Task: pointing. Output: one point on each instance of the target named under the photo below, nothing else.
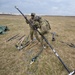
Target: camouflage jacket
(44, 26)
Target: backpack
(45, 26)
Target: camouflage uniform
(44, 28)
(32, 31)
(36, 24)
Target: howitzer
(70, 73)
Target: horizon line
(2, 13)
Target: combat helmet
(32, 14)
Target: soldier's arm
(36, 24)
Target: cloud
(50, 7)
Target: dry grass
(14, 62)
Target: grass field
(15, 62)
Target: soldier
(43, 27)
(31, 20)
(32, 31)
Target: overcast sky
(47, 7)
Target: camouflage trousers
(35, 33)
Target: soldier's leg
(31, 34)
(37, 36)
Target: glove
(35, 27)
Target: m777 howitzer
(69, 73)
